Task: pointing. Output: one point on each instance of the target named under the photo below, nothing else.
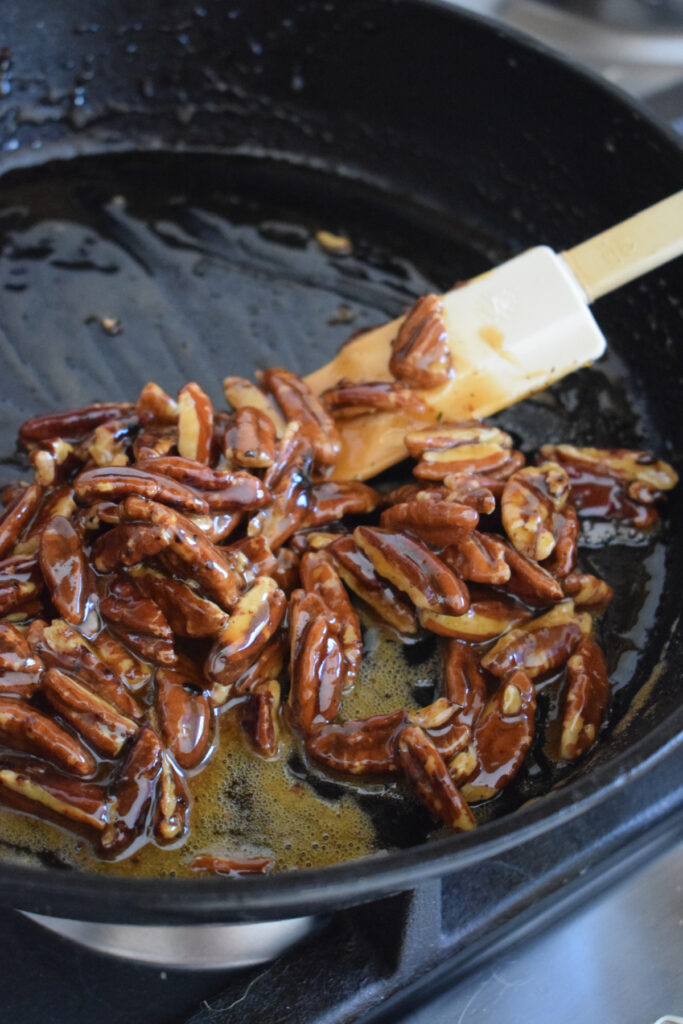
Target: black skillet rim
(98, 897)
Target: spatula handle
(629, 249)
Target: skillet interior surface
(211, 266)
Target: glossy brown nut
(587, 592)
(358, 573)
(68, 575)
(60, 646)
(155, 407)
(117, 484)
(187, 613)
(20, 580)
(436, 521)
(481, 458)
(530, 581)
(319, 576)
(293, 460)
(564, 556)
(195, 423)
(172, 803)
(18, 516)
(199, 559)
(531, 500)
(260, 717)
(435, 715)
(20, 669)
(53, 462)
(222, 489)
(251, 557)
(364, 747)
(624, 464)
(502, 737)
(286, 514)
(133, 792)
(299, 403)
(184, 718)
(23, 727)
(420, 353)
(152, 443)
(240, 393)
(585, 700)
(478, 558)
(108, 444)
(540, 646)
(446, 436)
(74, 424)
(232, 866)
(250, 439)
(131, 671)
(464, 682)
(409, 565)
(127, 544)
(316, 665)
(485, 619)
(97, 721)
(57, 502)
(268, 665)
(350, 398)
(427, 773)
(480, 492)
(332, 499)
(217, 526)
(48, 794)
(255, 618)
(124, 605)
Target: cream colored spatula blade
(512, 331)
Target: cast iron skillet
(438, 133)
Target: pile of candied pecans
(171, 562)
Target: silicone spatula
(511, 332)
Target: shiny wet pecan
(188, 613)
(249, 440)
(318, 576)
(316, 664)
(286, 572)
(332, 499)
(411, 567)
(127, 544)
(479, 492)
(530, 581)
(20, 669)
(448, 436)
(133, 793)
(153, 442)
(197, 558)
(195, 424)
(531, 501)
(364, 747)
(585, 700)
(260, 717)
(23, 727)
(477, 558)
(299, 403)
(155, 407)
(464, 683)
(541, 645)
(20, 580)
(108, 444)
(358, 573)
(224, 490)
(18, 516)
(420, 353)
(184, 717)
(68, 575)
(349, 398)
(57, 502)
(117, 484)
(139, 620)
(98, 721)
(217, 526)
(45, 793)
(428, 774)
(251, 557)
(481, 458)
(53, 462)
(240, 393)
(588, 592)
(501, 738)
(485, 619)
(255, 618)
(565, 553)
(433, 518)
(126, 667)
(172, 804)
(72, 425)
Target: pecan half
(133, 793)
(563, 559)
(74, 424)
(172, 805)
(464, 682)
(127, 544)
(224, 490)
(268, 665)
(195, 423)
(57, 502)
(485, 619)
(187, 613)
(18, 516)
(240, 392)
(68, 575)
(154, 442)
(349, 398)
(251, 557)
(184, 717)
(316, 664)
(20, 580)
(155, 407)
(318, 576)
(539, 646)
(631, 467)
(260, 717)
(482, 458)
(478, 558)
(48, 794)
(23, 727)
(420, 353)
(98, 721)
(286, 572)
(529, 580)
(426, 771)
(254, 620)
(502, 736)
(218, 526)
(358, 572)
(585, 700)
(20, 669)
(299, 403)
(446, 436)
(365, 747)
(332, 499)
(436, 520)
(587, 592)
(411, 567)
(531, 500)
(140, 620)
(108, 444)
(480, 492)
(117, 484)
(250, 439)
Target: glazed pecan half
(531, 500)
(427, 773)
(585, 700)
(420, 353)
(299, 403)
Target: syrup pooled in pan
(197, 284)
